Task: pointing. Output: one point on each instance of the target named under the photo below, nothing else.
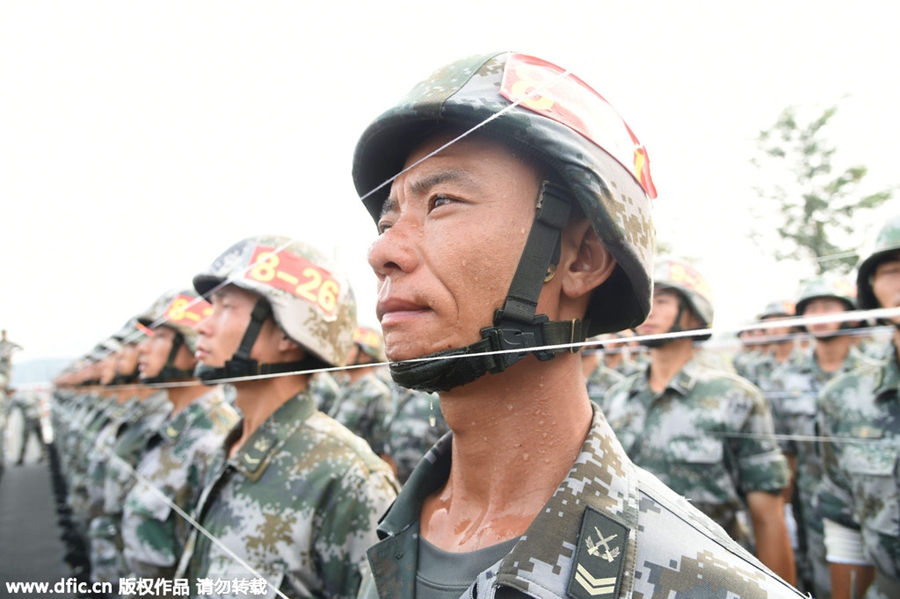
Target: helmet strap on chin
(242, 365)
(124, 379)
(515, 325)
(169, 372)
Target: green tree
(815, 204)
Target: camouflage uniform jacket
(298, 501)
(760, 371)
(610, 530)
(743, 361)
(325, 389)
(364, 407)
(107, 562)
(792, 393)
(682, 436)
(600, 381)
(860, 411)
(175, 465)
(415, 425)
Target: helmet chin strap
(515, 325)
(241, 364)
(124, 379)
(169, 372)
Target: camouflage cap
(686, 280)
(311, 300)
(886, 244)
(180, 310)
(566, 126)
(821, 287)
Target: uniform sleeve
(760, 464)
(347, 526)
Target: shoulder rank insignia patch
(599, 558)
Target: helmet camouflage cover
(686, 280)
(179, 310)
(560, 122)
(311, 301)
(777, 308)
(370, 341)
(821, 287)
(886, 244)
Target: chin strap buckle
(509, 335)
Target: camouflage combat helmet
(180, 311)
(595, 161)
(310, 300)
(371, 342)
(886, 244)
(129, 333)
(126, 340)
(693, 293)
(821, 287)
(777, 308)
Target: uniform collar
(602, 481)
(185, 419)
(682, 383)
(253, 457)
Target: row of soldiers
(533, 494)
(103, 410)
(708, 427)
(142, 428)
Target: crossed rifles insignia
(594, 548)
(597, 570)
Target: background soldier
(178, 453)
(364, 403)
(793, 390)
(707, 433)
(777, 343)
(291, 492)
(860, 418)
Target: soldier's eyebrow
(423, 185)
(389, 205)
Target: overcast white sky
(139, 140)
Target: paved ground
(30, 547)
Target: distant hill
(34, 372)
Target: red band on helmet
(572, 102)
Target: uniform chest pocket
(872, 468)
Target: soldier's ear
(587, 264)
(286, 344)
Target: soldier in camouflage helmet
(291, 492)
(174, 466)
(141, 413)
(777, 343)
(793, 389)
(598, 375)
(533, 230)
(707, 433)
(364, 402)
(859, 416)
